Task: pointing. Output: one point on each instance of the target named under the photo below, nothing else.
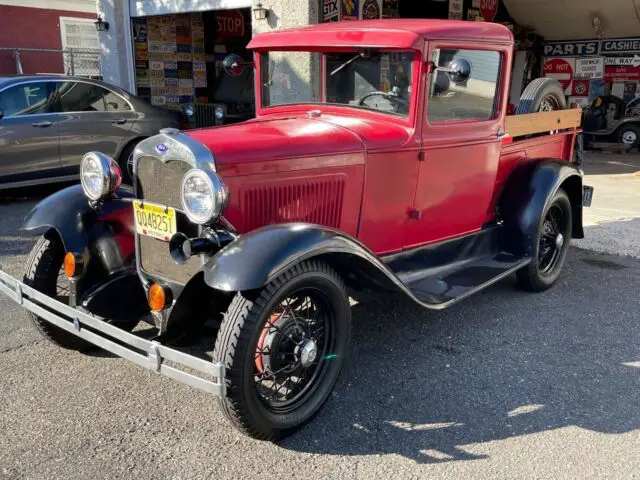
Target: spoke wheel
(283, 347)
(549, 251)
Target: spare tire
(542, 95)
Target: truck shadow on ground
(430, 385)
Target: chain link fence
(32, 61)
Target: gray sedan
(47, 123)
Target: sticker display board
(170, 59)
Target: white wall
(116, 44)
(143, 8)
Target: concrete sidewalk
(612, 223)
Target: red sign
(621, 74)
(230, 24)
(560, 70)
(489, 9)
(580, 88)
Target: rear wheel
(551, 245)
(283, 347)
(45, 273)
(629, 135)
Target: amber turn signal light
(72, 265)
(159, 297)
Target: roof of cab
(394, 33)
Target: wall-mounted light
(101, 25)
(260, 13)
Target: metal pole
(72, 63)
(16, 55)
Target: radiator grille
(316, 201)
(159, 182)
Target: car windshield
(372, 80)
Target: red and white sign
(559, 69)
(621, 74)
(230, 23)
(580, 88)
(489, 9)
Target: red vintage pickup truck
(381, 158)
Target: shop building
(171, 51)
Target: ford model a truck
(381, 158)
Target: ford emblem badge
(161, 148)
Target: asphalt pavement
(506, 384)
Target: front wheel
(283, 347)
(45, 273)
(629, 135)
(551, 244)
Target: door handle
(119, 121)
(42, 124)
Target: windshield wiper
(347, 63)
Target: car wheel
(45, 273)
(542, 95)
(126, 163)
(283, 347)
(549, 251)
(629, 135)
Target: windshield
(373, 80)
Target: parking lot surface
(505, 385)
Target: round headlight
(100, 175)
(188, 111)
(204, 196)
(219, 113)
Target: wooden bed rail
(530, 123)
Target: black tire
(125, 163)
(237, 342)
(42, 273)
(540, 94)
(629, 134)
(540, 275)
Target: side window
(26, 99)
(81, 97)
(115, 103)
(472, 99)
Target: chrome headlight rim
(110, 175)
(218, 192)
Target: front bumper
(206, 376)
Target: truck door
(461, 142)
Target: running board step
(444, 289)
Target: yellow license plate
(154, 220)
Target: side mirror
(459, 70)
(234, 65)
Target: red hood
(298, 136)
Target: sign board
(230, 23)
(633, 61)
(330, 10)
(589, 67)
(560, 69)
(455, 9)
(570, 49)
(620, 45)
(371, 9)
(489, 9)
(621, 74)
(580, 88)
(350, 9)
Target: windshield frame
(416, 67)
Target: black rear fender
(527, 194)
(107, 233)
(257, 258)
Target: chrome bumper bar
(145, 353)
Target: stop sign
(560, 70)
(488, 8)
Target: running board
(446, 288)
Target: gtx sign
(489, 9)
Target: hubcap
(552, 240)
(308, 353)
(559, 240)
(629, 137)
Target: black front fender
(527, 195)
(80, 226)
(254, 259)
